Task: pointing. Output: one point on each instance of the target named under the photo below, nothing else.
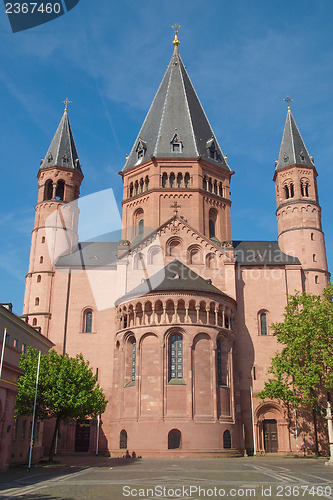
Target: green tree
(303, 370)
(67, 389)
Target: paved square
(82, 478)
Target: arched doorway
(271, 424)
(82, 436)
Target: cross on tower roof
(176, 27)
(288, 99)
(66, 102)
(175, 206)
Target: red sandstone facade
(175, 317)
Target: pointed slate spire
(292, 149)
(176, 125)
(62, 151)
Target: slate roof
(292, 150)
(175, 276)
(95, 254)
(176, 115)
(62, 151)
(261, 253)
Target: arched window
(291, 190)
(123, 440)
(155, 255)
(194, 255)
(34, 322)
(263, 323)
(138, 221)
(286, 190)
(147, 183)
(87, 321)
(164, 179)
(210, 261)
(139, 261)
(210, 185)
(43, 239)
(227, 440)
(212, 223)
(41, 260)
(172, 180)
(179, 180)
(176, 358)
(187, 180)
(220, 189)
(174, 439)
(131, 189)
(37, 301)
(215, 187)
(136, 187)
(48, 190)
(39, 278)
(204, 183)
(141, 185)
(60, 190)
(174, 248)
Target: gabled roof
(261, 253)
(292, 149)
(62, 151)
(176, 115)
(91, 254)
(175, 276)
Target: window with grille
(176, 357)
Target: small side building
(15, 433)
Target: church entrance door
(82, 436)
(270, 436)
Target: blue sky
(109, 57)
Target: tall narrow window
(164, 179)
(147, 183)
(123, 440)
(291, 190)
(141, 226)
(210, 185)
(286, 190)
(48, 192)
(88, 321)
(219, 362)
(131, 190)
(211, 228)
(187, 180)
(37, 301)
(172, 180)
(133, 360)
(204, 183)
(176, 357)
(136, 187)
(220, 189)
(263, 324)
(179, 180)
(39, 278)
(141, 185)
(60, 190)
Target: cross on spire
(66, 102)
(175, 206)
(288, 100)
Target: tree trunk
(315, 427)
(51, 452)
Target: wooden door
(270, 436)
(82, 437)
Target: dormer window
(176, 144)
(302, 156)
(49, 158)
(65, 159)
(141, 149)
(212, 150)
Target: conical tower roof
(176, 125)
(62, 151)
(292, 149)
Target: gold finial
(176, 27)
(66, 102)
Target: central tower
(176, 158)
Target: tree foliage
(67, 388)
(304, 367)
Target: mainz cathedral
(173, 315)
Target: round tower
(298, 210)
(56, 221)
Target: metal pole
(253, 428)
(3, 350)
(296, 434)
(330, 432)
(34, 413)
(97, 437)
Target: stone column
(197, 309)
